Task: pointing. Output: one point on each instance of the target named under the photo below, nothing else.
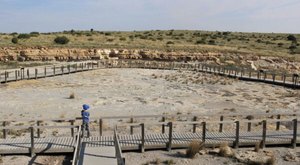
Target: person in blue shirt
(85, 120)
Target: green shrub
(122, 39)
(34, 34)
(200, 42)
(211, 42)
(169, 43)
(61, 40)
(110, 40)
(291, 37)
(14, 40)
(24, 36)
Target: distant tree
(92, 30)
(61, 40)
(14, 40)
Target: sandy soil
(113, 92)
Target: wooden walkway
(270, 77)
(134, 142)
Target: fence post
(54, 70)
(45, 72)
(249, 126)
(5, 76)
(72, 129)
(32, 141)
(100, 126)
(163, 125)
(294, 141)
(170, 136)
(143, 137)
(36, 72)
(278, 123)
(69, 69)
(221, 124)
(38, 123)
(62, 70)
(4, 130)
(16, 74)
(131, 127)
(195, 125)
(264, 134)
(203, 131)
(237, 134)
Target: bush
(211, 42)
(194, 147)
(24, 36)
(61, 40)
(34, 34)
(14, 40)
(291, 38)
(200, 42)
(122, 39)
(110, 40)
(169, 42)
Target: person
(85, 120)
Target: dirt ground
(112, 92)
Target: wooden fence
(271, 77)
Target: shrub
(280, 44)
(122, 39)
(24, 36)
(107, 34)
(211, 42)
(34, 34)
(194, 147)
(200, 42)
(110, 40)
(72, 95)
(61, 40)
(169, 42)
(14, 40)
(291, 38)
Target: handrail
(118, 149)
(78, 147)
(157, 116)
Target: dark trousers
(85, 127)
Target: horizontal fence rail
(266, 76)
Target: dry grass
(225, 150)
(72, 95)
(194, 148)
(271, 160)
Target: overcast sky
(129, 15)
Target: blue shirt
(85, 116)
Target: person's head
(85, 107)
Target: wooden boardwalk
(270, 77)
(134, 142)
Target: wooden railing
(78, 147)
(204, 127)
(120, 158)
(32, 132)
(272, 77)
(161, 118)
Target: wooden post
(45, 72)
(81, 66)
(32, 141)
(278, 123)
(36, 72)
(62, 70)
(163, 125)
(72, 129)
(221, 124)
(53, 70)
(143, 137)
(294, 141)
(38, 123)
(131, 127)
(4, 130)
(249, 126)
(250, 74)
(170, 136)
(284, 77)
(5, 76)
(203, 131)
(264, 134)
(195, 125)
(16, 74)
(69, 69)
(237, 134)
(265, 76)
(100, 126)
(273, 77)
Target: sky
(21, 16)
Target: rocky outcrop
(75, 54)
